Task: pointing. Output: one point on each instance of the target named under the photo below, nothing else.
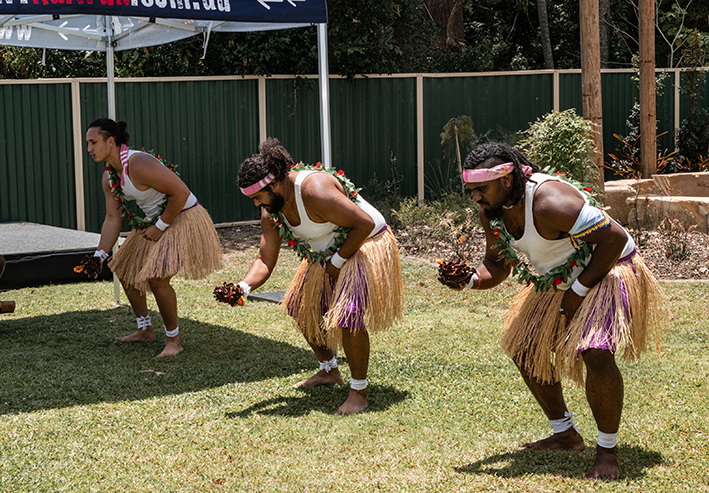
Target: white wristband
(161, 225)
(474, 279)
(102, 254)
(579, 288)
(337, 261)
(245, 288)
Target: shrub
(562, 141)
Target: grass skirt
(189, 248)
(619, 312)
(367, 294)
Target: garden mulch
(419, 245)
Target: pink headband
(489, 174)
(251, 189)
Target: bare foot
(356, 402)
(606, 466)
(146, 335)
(566, 440)
(171, 349)
(322, 378)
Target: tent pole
(112, 115)
(110, 69)
(323, 77)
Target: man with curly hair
(591, 295)
(349, 282)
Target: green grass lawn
(82, 412)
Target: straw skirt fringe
(371, 278)
(626, 306)
(189, 248)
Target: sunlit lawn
(81, 412)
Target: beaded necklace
(115, 184)
(521, 270)
(300, 246)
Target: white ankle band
(358, 384)
(144, 322)
(607, 440)
(563, 424)
(329, 365)
(172, 333)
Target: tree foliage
(392, 36)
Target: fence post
(262, 129)
(419, 137)
(78, 154)
(677, 120)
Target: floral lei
(115, 183)
(301, 247)
(558, 274)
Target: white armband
(161, 225)
(579, 288)
(102, 254)
(337, 261)
(245, 288)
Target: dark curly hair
(492, 153)
(109, 128)
(272, 158)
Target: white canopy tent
(110, 26)
(114, 25)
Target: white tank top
(545, 254)
(321, 235)
(148, 200)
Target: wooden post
(591, 77)
(648, 110)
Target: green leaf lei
(301, 247)
(558, 274)
(115, 184)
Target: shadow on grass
(634, 462)
(73, 359)
(325, 399)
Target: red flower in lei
(551, 279)
(558, 274)
(115, 183)
(301, 247)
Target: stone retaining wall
(645, 203)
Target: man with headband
(350, 280)
(591, 295)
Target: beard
(495, 213)
(277, 203)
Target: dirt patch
(419, 244)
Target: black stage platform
(37, 255)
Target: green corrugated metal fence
(208, 126)
(36, 170)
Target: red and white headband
(479, 175)
(259, 185)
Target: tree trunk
(591, 78)
(455, 29)
(648, 110)
(544, 31)
(603, 20)
(448, 15)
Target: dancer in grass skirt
(176, 237)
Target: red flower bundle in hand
(91, 266)
(455, 274)
(229, 293)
